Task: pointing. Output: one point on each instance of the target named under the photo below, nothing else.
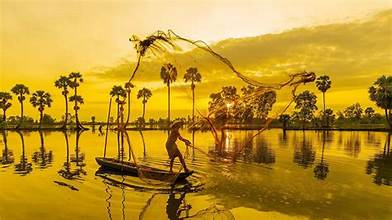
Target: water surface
(297, 175)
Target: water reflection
(352, 145)
(304, 154)
(7, 156)
(321, 170)
(67, 171)
(380, 167)
(262, 153)
(23, 167)
(78, 158)
(42, 158)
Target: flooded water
(297, 175)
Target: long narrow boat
(130, 168)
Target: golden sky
(349, 40)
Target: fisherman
(171, 145)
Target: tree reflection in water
(23, 167)
(42, 158)
(78, 157)
(66, 171)
(304, 155)
(352, 145)
(262, 153)
(380, 167)
(7, 156)
(321, 169)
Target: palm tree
(41, 99)
(145, 94)
(5, 97)
(63, 83)
(76, 79)
(118, 92)
(323, 83)
(192, 75)
(381, 93)
(20, 90)
(128, 87)
(168, 75)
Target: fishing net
(166, 42)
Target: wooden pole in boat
(107, 127)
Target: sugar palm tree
(21, 91)
(192, 75)
(145, 94)
(76, 79)
(168, 75)
(120, 94)
(128, 88)
(5, 97)
(41, 99)
(323, 83)
(381, 93)
(63, 83)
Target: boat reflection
(23, 167)
(7, 156)
(380, 167)
(42, 158)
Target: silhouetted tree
(168, 75)
(353, 111)
(305, 102)
(63, 83)
(329, 116)
(76, 79)
(41, 99)
(369, 112)
(323, 83)
(284, 118)
(192, 75)
(120, 94)
(144, 94)
(381, 94)
(5, 103)
(128, 88)
(20, 91)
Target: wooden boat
(129, 168)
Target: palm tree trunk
(21, 114)
(78, 125)
(168, 106)
(40, 119)
(193, 105)
(324, 108)
(4, 116)
(388, 118)
(129, 109)
(193, 121)
(66, 112)
(144, 109)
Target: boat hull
(129, 168)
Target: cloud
(353, 54)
